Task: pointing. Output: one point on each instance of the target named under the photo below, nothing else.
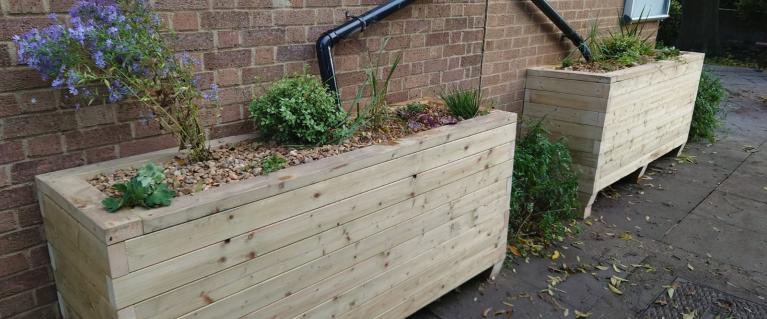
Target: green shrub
(625, 48)
(273, 163)
(146, 189)
(705, 118)
(544, 195)
(463, 104)
(668, 33)
(299, 109)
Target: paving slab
(735, 210)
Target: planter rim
(69, 188)
(613, 76)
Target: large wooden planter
(615, 123)
(380, 231)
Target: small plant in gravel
(544, 190)
(377, 113)
(146, 189)
(299, 109)
(705, 117)
(463, 104)
(113, 50)
(273, 163)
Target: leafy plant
(377, 112)
(299, 109)
(666, 53)
(544, 190)
(705, 117)
(146, 189)
(273, 163)
(625, 48)
(113, 50)
(415, 107)
(463, 104)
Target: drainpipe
(356, 23)
(564, 27)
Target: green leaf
(160, 197)
(112, 204)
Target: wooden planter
(380, 231)
(615, 123)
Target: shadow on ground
(702, 224)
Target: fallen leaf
(690, 315)
(556, 255)
(690, 267)
(486, 312)
(614, 289)
(514, 251)
(626, 236)
(579, 314)
(661, 302)
(566, 312)
(601, 267)
(670, 292)
(588, 222)
(616, 268)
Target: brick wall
(242, 43)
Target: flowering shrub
(113, 49)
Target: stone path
(704, 223)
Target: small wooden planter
(380, 231)
(618, 122)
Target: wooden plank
(569, 129)
(563, 114)
(574, 87)
(430, 280)
(85, 295)
(339, 301)
(162, 245)
(395, 241)
(237, 194)
(553, 72)
(485, 233)
(161, 277)
(564, 100)
(187, 298)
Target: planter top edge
(69, 188)
(613, 76)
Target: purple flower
(99, 59)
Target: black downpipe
(564, 27)
(359, 23)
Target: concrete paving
(704, 222)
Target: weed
(544, 190)
(463, 104)
(273, 163)
(415, 107)
(377, 111)
(705, 118)
(146, 189)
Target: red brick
(231, 129)
(295, 53)
(296, 34)
(29, 215)
(5, 175)
(8, 222)
(142, 129)
(46, 294)
(9, 106)
(61, 5)
(100, 154)
(146, 145)
(225, 20)
(228, 77)
(247, 4)
(39, 124)
(261, 18)
(25, 6)
(264, 55)
(96, 115)
(113, 134)
(16, 196)
(5, 56)
(264, 37)
(24, 281)
(11, 152)
(44, 145)
(191, 41)
(20, 78)
(38, 256)
(260, 74)
(16, 304)
(181, 4)
(186, 21)
(36, 101)
(50, 311)
(18, 240)
(437, 39)
(227, 39)
(227, 59)
(10, 26)
(25, 171)
(323, 3)
(294, 17)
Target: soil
(243, 160)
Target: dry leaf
(556, 255)
(626, 236)
(614, 289)
(616, 268)
(579, 314)
(486, 312)
(690, 267)
(601, 267)
(670, 292)
(690, 315)
(514, 251)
